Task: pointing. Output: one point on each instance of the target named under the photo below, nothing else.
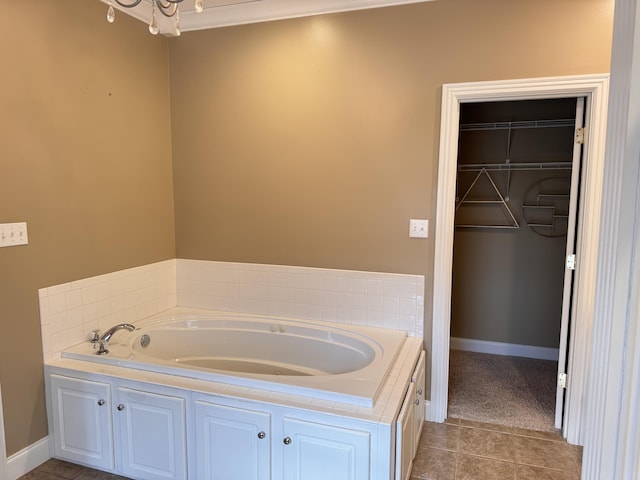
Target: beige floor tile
(61, 468)
(434, 464)
(486, 426)
(40, 475)
(486, 443)
(440, 435)
(527, 472)
(555, 435)
(477, 468)
(544, 453)
(98, 475)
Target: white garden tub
(316, 359)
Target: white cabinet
(418, 378)
(232, 443)
(90, 418)
(405, 437)
(410, 421)
(237, 441)
(313, 451)
(81, 421)
(152, 434)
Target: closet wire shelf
(508, 166)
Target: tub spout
(103, 341)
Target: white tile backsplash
(68, 312)
(384, 300)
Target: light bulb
(199, 6)
(153, 26)
(111, 14)
(178, 23)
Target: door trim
(595, 88)
(3, 445)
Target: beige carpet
(513, 391)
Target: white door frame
(3, 446)
(595, 89)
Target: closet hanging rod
(569, 122)
(475, 167)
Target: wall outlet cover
(13, 234)
(418, 228)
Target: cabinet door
(313, 451)
(419, 379)
(152, 435)
(232, 443)
(404, 435)
(81, 421)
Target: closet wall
(507, 282)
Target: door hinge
(562, 380)
(580, 135)
(571, 261)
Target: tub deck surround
(106, 415)
(322, 360)
(384, 410)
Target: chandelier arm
(128, 5)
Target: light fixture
(169, 8)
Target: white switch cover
(12, 234)
(418, 228)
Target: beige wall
(314, 141)
(305, 142)
(85, 161)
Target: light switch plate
(13, 234)
(418, 228)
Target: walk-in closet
(517, 179)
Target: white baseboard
(28, 458)
(499, 348)
(427, 410)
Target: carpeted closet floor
(512, 391)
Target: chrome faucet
(103, 341)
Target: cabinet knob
(101, 402)
(120, 407)
(419, 392)
(261, 435)
(417, 402)
(287, 440)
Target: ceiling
(222, 13)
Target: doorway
(595, 89)
(515, 221)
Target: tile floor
(54, 469)
(456, 450)
(465, 450)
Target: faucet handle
(94, 336)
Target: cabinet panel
(81, 419)
(152, 434)
(314, 451)
(405, 435)
(419, 379)
(232, 443)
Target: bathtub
(327, 361)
